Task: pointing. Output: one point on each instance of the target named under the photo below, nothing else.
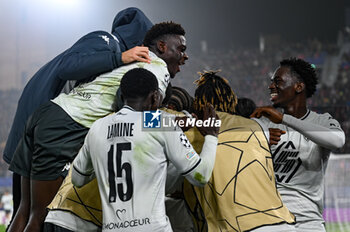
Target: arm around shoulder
(330, 137)
(96, 53)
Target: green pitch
(337, 227)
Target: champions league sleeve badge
(184, 141)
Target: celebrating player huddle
(134, 179)
(221, 175)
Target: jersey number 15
(123, 196)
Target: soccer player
(301, 141)
(56, 131)
(130, 164)
(241, 194)
(95, 53)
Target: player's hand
(137, 53)
(275, 135)
(181, 122)
(269, 112)
(209, 112)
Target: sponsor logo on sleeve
(190, 154)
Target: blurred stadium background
(244, 38)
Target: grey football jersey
(300, 166)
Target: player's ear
(299, 87)
(161, 46)
(156, 100)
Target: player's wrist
(211, 137)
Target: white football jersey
(93, 100)
(130, 165)
(300, 166)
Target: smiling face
(174, 53)
(283, 87)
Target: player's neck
(137, 104)
(297, 109)
(136, 107)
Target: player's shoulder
(102, 121)
(155, 60)
(126, 114)
(99, 34)
(324, 119)
(318, 117)
(100, 37)
(313, 114)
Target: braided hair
(215, 90)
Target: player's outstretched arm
(97, 53)
(202, 173)
(269, 112)
(197, 169)
(330, 136)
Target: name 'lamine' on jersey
(130, 166)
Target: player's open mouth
(179, 64)
(273, 96)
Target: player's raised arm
(202, 173)
(328, 135)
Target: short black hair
(138, 83)
(181, 100)
(245, 107)
(215, 90)
(304, 71)
(160, 31)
